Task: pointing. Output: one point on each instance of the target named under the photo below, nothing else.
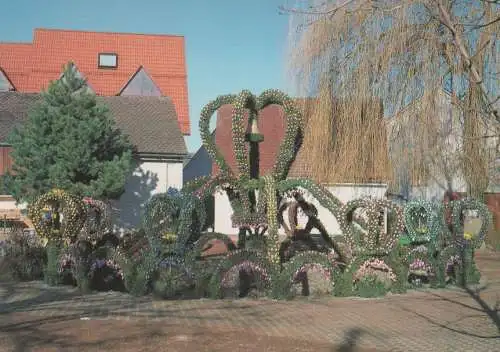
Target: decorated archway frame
(475, 240)
(373, 269)
(94, 229)
(251, 260)
(303, 262)
(73, 211)
(416, 212)
(375, 241)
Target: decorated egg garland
(375, 240)
(99, 220)
(73, 211)
(421, 221)
(462, 238)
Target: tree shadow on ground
(483, 309)
(38, 334)
(51, 301)
(351, 341)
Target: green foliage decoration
(245, 215)
(72, 208)
(373, 278)
(51, 273)
(245, 101)
(273, 243)
(242, 259)
(172, 278)
(294, 123)
(282, 282)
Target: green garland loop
(425, 210)
(373, 241)
(458, 207)
(238, 258)
(72, 208)
(206, 136)
(283, 285)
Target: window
(108, 60)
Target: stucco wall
(344, 192)
(148, 179)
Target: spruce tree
(70, 142)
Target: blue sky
(230, 44)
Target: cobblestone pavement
(433, 320)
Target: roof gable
(141, 84)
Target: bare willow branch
(383, 66)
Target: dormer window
(107, 60)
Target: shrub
(22, 256)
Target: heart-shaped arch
(286, 153)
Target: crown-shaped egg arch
(240, 185)
(235, 182)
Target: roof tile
(151, 122)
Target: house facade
(141, 78)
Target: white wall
(148, 179)
(344, 192)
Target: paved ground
(36, 318)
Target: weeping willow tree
(357, 56)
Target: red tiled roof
(31, 67)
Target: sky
(230, 44)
